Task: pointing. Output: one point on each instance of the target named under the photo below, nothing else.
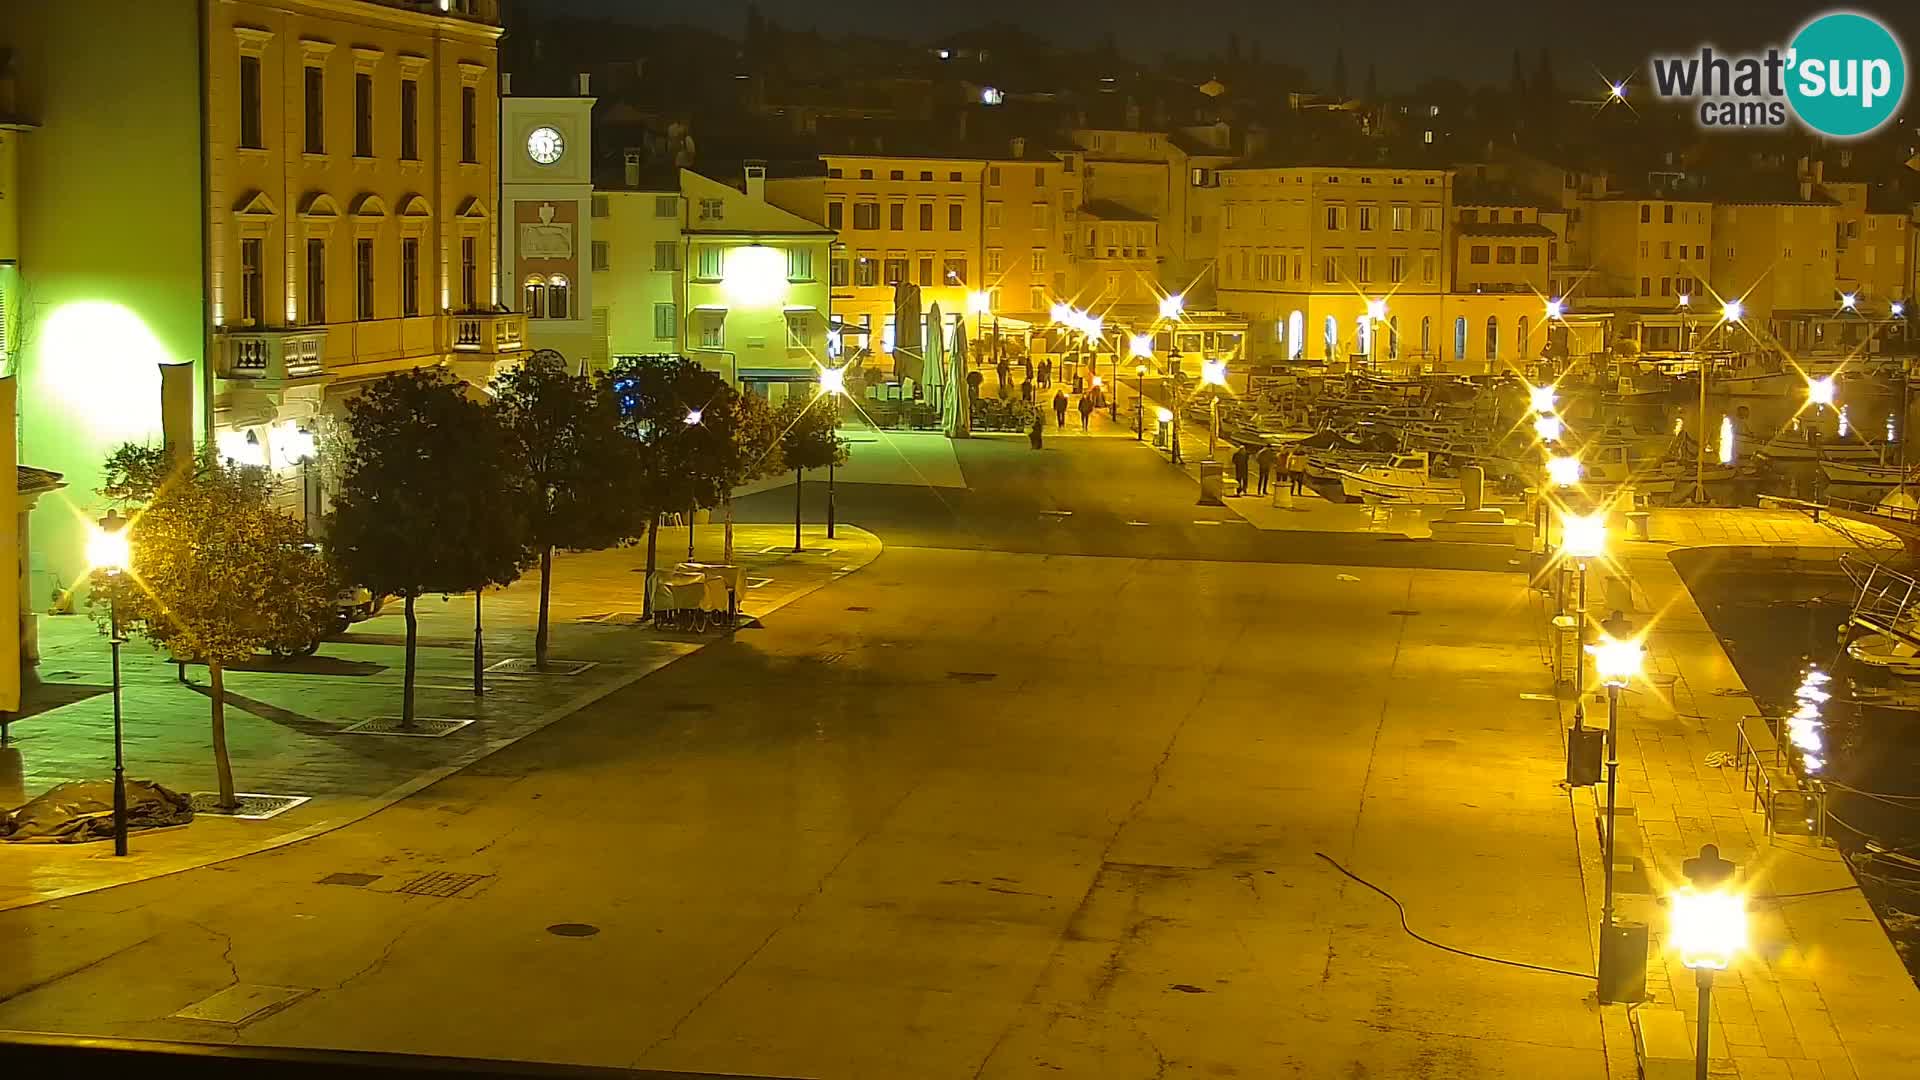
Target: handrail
(1759, 777)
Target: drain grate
(523, 665)
(1402, 611)
(242, 1003)
(424, 727)
(858, 607)
(253, 805)
(972, 676)
(573, 929)
(442, 883)
(355, 881)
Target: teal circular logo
(1846, 74)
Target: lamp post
(1213, 373)
(1582, 539)
(1139, 402)
(1376, 317)
(1708, 926)
(1617, 663)
(693, 421)
(1172, 419)
(833, 383)
(108, 549)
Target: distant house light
(990, 96)
(944, 54)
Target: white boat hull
(1891, 655)
(1366, 489)
(1848, 472)
(1799, 451)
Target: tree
(809, 439)
(679, 417)
(1340, 73)
(755, 453)
(214, 572)
(567, 438)
(1518, 84)
(432, 500)
(1373, 85)
(1546, 91)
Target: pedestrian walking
(1297, 471)
(1240, 456)
(1265, 460)
(1046, 373)
(1038, 430)
(1086, 412)
(1026, 390)
(1060, 407)
(1026, 362)
(1002, 369)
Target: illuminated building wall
(1777, 255)
(642, 283)
(551, 249)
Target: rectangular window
(925, 276)
(1043, 215)
(363, 278)
(896, 216)
(1039, 177)
(1330, 269)
(316, 112)
(1402, 215)
(1666, 286)
(799, 264)
(895, 270)
(410, 276)
(866, 271)
(1366, 268)
(712, 261)
(316, 280)
(1333, 217)
(1397, 269)
(836, 215)
(1037, 298)
(666, 206)
(666, 255)
(469, 273)
(926, 174)
(1504, 255)
(1666, 249)
(926, 217)
(1646, 213)
(362, 114)
(1530, 255)
(995, 215)
(799, 329)
(1643, 249)
(954, 211)
(1366, 219)
(1478, 254)
(250, 102)
(1668, 213)
(956, 271)
(410, 119)
(1195, 226)
(666, 323)
(866, 215)
(993, 176)
(252, 291)
(1699, 251)
(1429, 267)
(1038, 262)
(1646, 283)
(469, 124)
(842, 273)
(600, 260)
(993, 261)
(598, 206)
(713, 209)
(1430, 218)
(713, 328)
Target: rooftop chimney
(633, 168)
(1018, 146)
(757, 180)
(506, 84)
(584, 79)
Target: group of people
(1090, 402)
(1291, 465)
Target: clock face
(545, 145)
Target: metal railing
(1886, 597)
(1775, 788)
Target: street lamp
(1731, 311)
(1708, 924)
(1556, 308)
(1376, 316)
(1563, 470)
(833, 383)
(1171, 307)
(1617, 663)
(1540, 399)
(1582, 539)
(1139, 401)
(1548, 427)
(109, 549)
(1170, 418)
(692, 421)
(1820, 391)
(1213, 373)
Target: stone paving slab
(287, 724)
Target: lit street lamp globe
(1616, 662)
(107, 544)
(1540, 399)
(1583, 536)
(833, 380)
(1563, 470)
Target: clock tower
(546, 213)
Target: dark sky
(1407, 39)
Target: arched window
(1493, 337)
(1460, 338)
(1524, 351)
(1393, 338)
(1362, 336)
(1426, 335)
(1332, 336)
(1297, 334)
(557, 297)
(534, 301)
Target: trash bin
(1210, 484)
(1566, 648)
(1585, 747)
(1639, 521)
(1623, 962)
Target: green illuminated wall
(110, 275)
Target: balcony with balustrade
(477, 334)
(271, 356)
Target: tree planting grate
(972, 676)
(253, 806)
(423, 727)
(523, 665)
(355, 881)
(442, 883)
(573, 929)
(614, 617)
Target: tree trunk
(799, 485)
(406, 685)
(653, 537)
(546, 593)
(222, 764)
(726, 502)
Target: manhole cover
(573, 929)
(1402, 611)
(441, 883)
(423, 727)
(242, 1003)
(523, 665)
(972, 676)
(253, 806)
(353, 880)
(1439, 744)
